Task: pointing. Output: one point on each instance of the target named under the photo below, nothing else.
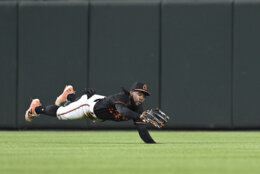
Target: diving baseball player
(123, 106)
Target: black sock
(47, 110)
(40, 110)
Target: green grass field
(124, 152)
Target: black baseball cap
(139, 86)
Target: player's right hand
(143, 117)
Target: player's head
(138, 92)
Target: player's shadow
(108, 143)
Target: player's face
(138, 97)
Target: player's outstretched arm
(141, 127)
(143, 132)
(123, 110)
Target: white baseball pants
(80, 109)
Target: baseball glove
(155, 116)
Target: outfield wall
(199, 58)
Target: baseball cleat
(63, 97)
(30, 113)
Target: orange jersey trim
(140, 122)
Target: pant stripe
(73, 109)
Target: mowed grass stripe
(124, 152)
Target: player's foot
(63, 97)
(30, 113)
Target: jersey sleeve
(126, 112)
(140, 109)
(143, 132)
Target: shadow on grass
(134, 143)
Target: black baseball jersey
(105, 109)
(121, 107)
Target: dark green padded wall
(208, 51)
(52, 53)
(196, 63)
(8, 51)
(246, 64)
(124, 43)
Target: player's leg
(89, 92)
(36, 108)
(49, 110)
(80, 109)
(68, 93)
(75, 110)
